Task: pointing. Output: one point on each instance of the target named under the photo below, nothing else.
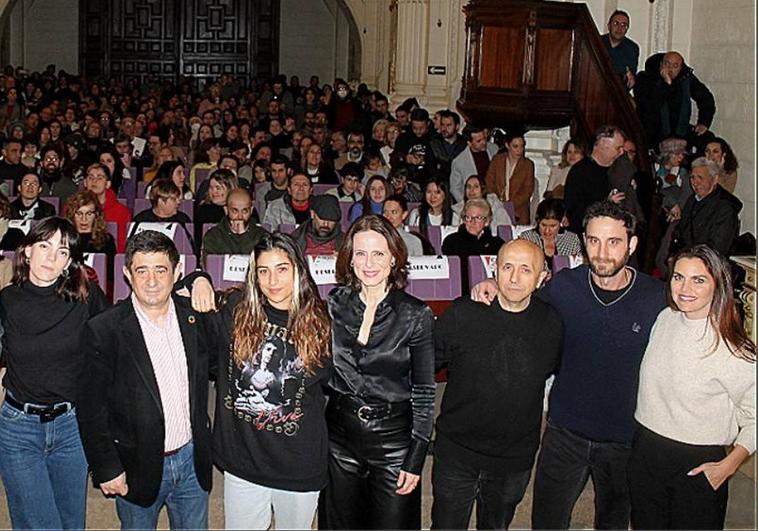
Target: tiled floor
(101, 513)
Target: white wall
(44, 32)
(313, 39)
(723, 56)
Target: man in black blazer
(144, 397)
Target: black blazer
(119, 409)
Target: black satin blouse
(396, 364)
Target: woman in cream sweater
(696, 397)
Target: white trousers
(249, 506)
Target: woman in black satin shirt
(381, 405)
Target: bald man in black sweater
(498, 358)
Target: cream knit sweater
(692, 394)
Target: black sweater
(269, 427)
(41, 344)
(498, 362)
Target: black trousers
(663, 495)
(365, 457)
(566, 461)
(455, 486)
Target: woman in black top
(381, 405)
(274, 356)
(43, 312)
(210, 209)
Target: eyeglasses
(620, 24)
(480, 219)
(51, 158)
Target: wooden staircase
(533, 64)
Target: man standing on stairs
(624, 52)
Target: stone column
(411, 50)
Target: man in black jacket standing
(144, 396)
(498, 357)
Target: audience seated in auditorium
(414, 146)
(672, 175)
(402, 185)
(510, 176)
(710, 215)
(293, 207)
(85, 212)
(236, 233)
(28, 204)
(54, 181)
(719, 151)
(435, 209)
(321, 234)
(10, 237)
(573, 151)
(354, 153)
(473, 160)
(318, 169)
(372, 202)
(396, 212)
(448, 144)
(165, 198)
(474, 236)
(350, 178)
(10, 165)
(97, 181)
(475, 189)
(549, 233)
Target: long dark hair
(75, 286)
(308, 322)
(723, 314)
(730, 161)
(447, 208)
(365, 200)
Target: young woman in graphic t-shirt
(270, 436)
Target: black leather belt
(174, 451)
(46, 413)
(368, 411)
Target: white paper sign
(24, 225)
(89, 259)
(447, 230)
(139, 146)
(518, 230)
(489, 261)
(323, 269)
(575, 261)
(169, 229)
(235, 267)
(428, 267)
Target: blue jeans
(180, 491)
(566, 461)
(43, 469)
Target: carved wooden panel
(553, 63)
(502, 54)
(166, 38)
